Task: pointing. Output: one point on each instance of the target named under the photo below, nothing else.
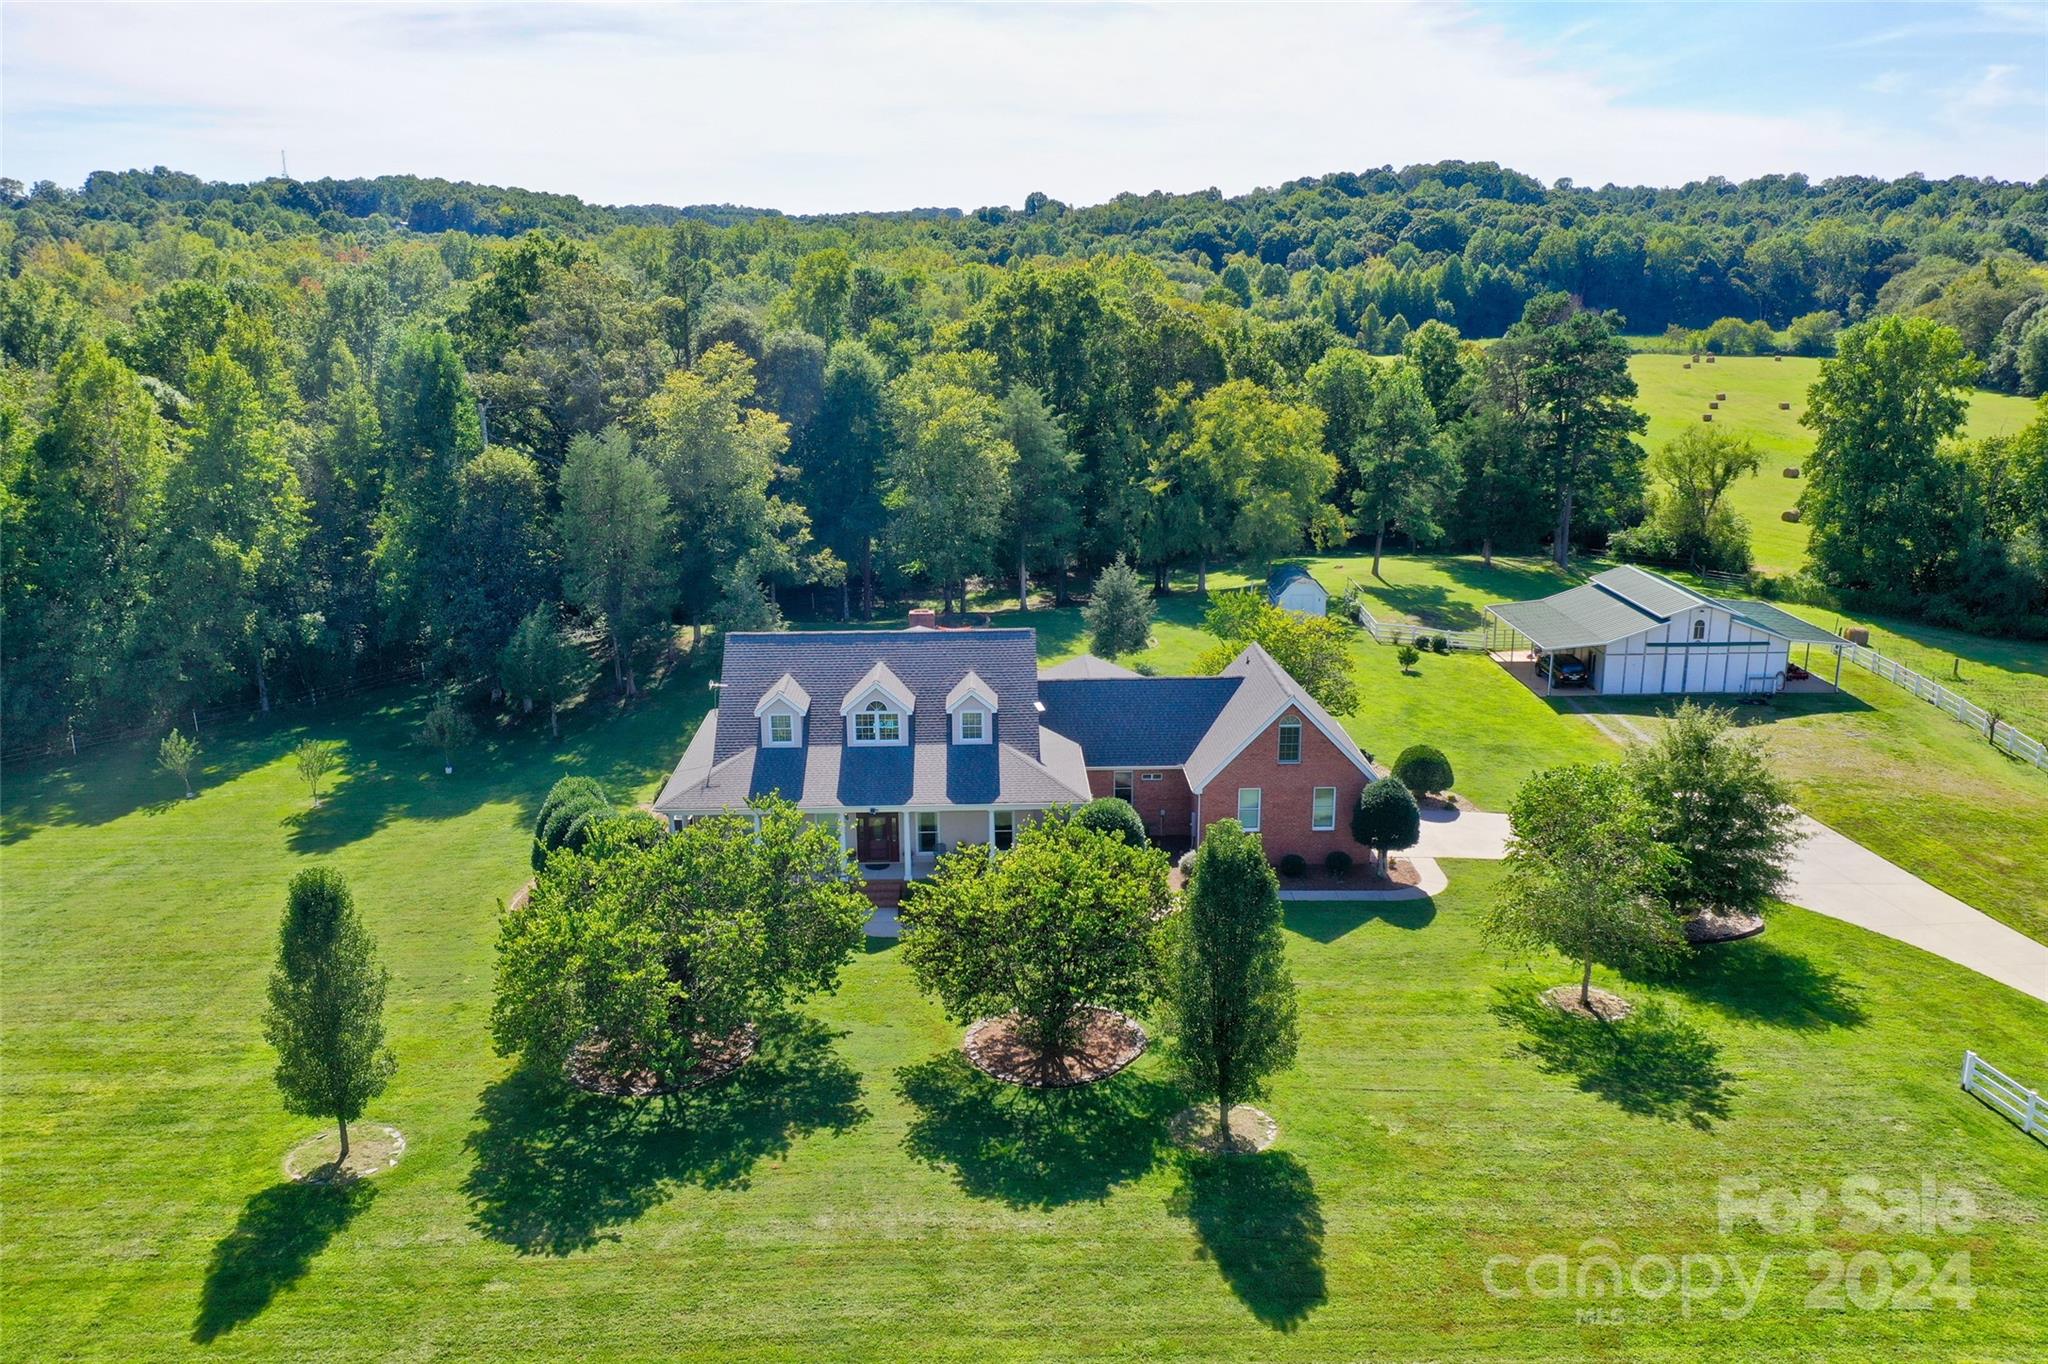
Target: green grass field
(1674, 397)
(856, 1194)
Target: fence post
(2033, 1117)
(1969, 1067)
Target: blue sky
(852, 106)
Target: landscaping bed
(1108, 1041)
(717, 1058)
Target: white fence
(2000, 734)
(1401, 632)
(2005, 1094)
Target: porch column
(1550, 677)
(991, 831)
(906, 844)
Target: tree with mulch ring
(1585, 876)
(1727, 817)
(1251, 1130)
(1042, 949)
(1588, 1002)
(1229, 1001)
(1103, 1043)
(645, 963)
(326, 1006)
(597, 1069)
(376, 1147)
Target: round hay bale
(1710, 359)
(1686, 365)
(1857, 634)
(1706, 416)
(1784, 407)
(1792, 471)
(1715, 406)
(1720, 397)
(1776, 359)
(1792, 516)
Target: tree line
(239, 452)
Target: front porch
(895, 847)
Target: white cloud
(855, 107)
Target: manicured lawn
(1674, 397)
(854, 1194)
(1885, 768)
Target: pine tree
(326, 1016)
(1119, 613)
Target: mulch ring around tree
(1607, 1006)
(1448, 800)
(373, 1148)
(1708, 927)
(1107, 1042)
(1251, 1130)
(716, 1059)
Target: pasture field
(857, 1193)
(1674, 397)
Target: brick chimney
(924, 618)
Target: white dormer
(971, 706)
(781, 711)
(877, 710)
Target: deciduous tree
(615, 538)
(1228, 1003)
(326, 1014)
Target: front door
(877, 838)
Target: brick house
(913, 742)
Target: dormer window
(972, 704)
(781, 710)
(875, 723)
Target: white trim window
(877, 724)
(1250, 801)
(970, 726)
(1005, 829)
(927, 831)
(1290, 740)
(1322, 810)
(1121, 785)
(778, 729)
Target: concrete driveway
(1836, 876)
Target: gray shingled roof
(1083, 666)
(1135, 721)
(1265, 691)
(724, 766)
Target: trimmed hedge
(1293, 865)
(1109, 815)
(1423, 768)
(559, 815)
(1338, 863)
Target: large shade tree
(1062, 922)
(1586, 875)
(651, 954)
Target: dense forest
(280, 434)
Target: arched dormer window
(876, 723)
(1699, 630)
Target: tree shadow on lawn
(1755, 979)
(271, 1247)
(1034, 1148)
(1651, 1063)
(556, 1169)
(1327, 921)
(1260, 1220)
(1433, 607)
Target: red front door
(877, 838)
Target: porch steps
(885, 894)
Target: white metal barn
(1293, 588)
(1641, 634)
